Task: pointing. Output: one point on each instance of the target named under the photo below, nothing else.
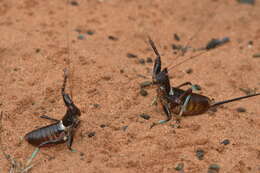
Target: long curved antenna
(188, 42)
(191, 57)
(69, 45)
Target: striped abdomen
(198, 104)
(48, 133)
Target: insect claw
(154, 124)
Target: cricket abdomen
(44, 134)
(198, 104)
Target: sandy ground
(35, 36)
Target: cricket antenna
(68, 61)
(183, 51)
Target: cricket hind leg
(36, 151)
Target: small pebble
(250, 43)
(200, 154)
(78, 30)
(213, 168)
(91, 134)
(143, 92)
(189, 71)
(241, 109)
(130, 55)
(149, 60)
(213, 43)
(225, 142)
(145, 116)
(90, 32)
(37, 50)
(110, 37)
(176, 37)
(145, 84)
(124, 128)
(256, 55)
(95, 105)
(74, 3)
(179, 167)
(197, 87)
(141, 61)
(174, 47)
(81, 37)
(103, 126)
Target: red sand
(102, 74)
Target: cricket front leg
(168, 114)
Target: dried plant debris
(251, 2)
(113, 38)
(145, 84)
(213, 168)
(248, 91)
(130, 55)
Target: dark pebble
(90, 32)
(143, 92)
(213, 168)
(81, 154)
(149, 60)
(74, 3)
(251, 2)
(130, 55)
(189, 71)
(200, 154)
(103, 125)
(250, 43)
(81, 37)
(124, 128)
(110, 37)
(145, 116)
(213, 43)
(176, 37)
(176, 47)
(91, 134)
(197, 87)
(95, 105)
(141, 61)
(225, 142)
(256, 55)
(241, 109)
(122, 71)
(78, 30)
(179, 167)
(145, 84)
(37, 50)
